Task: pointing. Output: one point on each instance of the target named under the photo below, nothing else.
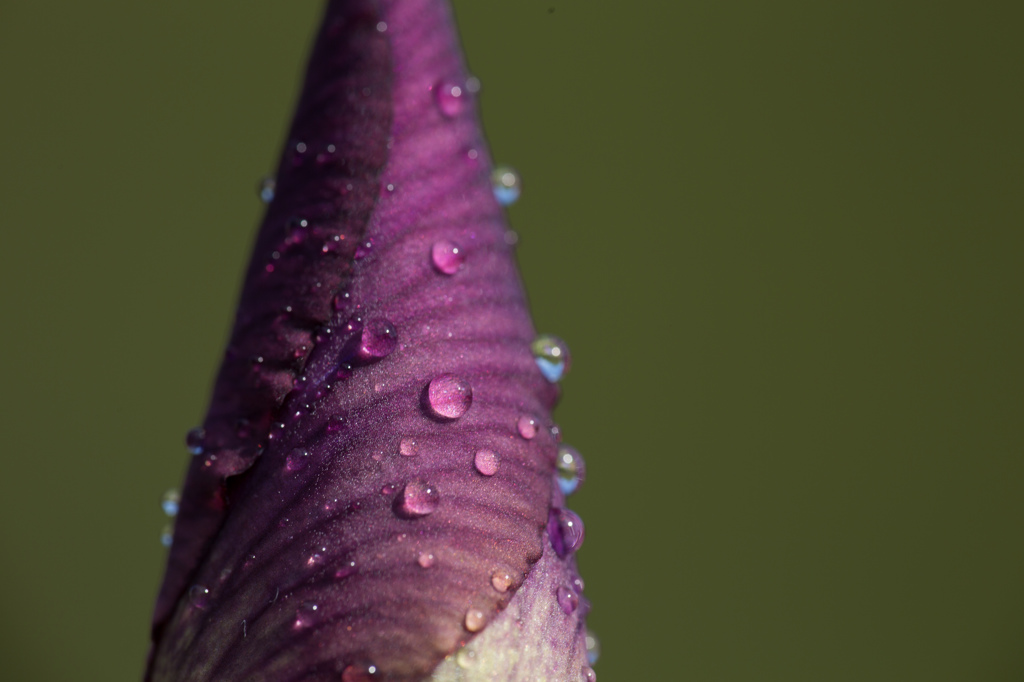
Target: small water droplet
(195, 440)
(407, 447)
(588, 674)
(451, 98)
(364, 248)
(426, 559)
(167, 535)
(552, 356)
(571, 469)
(359, 673)
(528, 426)
(417, 499)
(335, 423)
(276, 431)
(567, 599)
(447, 257)
(296, 460)
(449, 397)
(378, 339)
(565, 530)
(306, 615)
(465, 658)
(486, 462)
(266, 190)
(475, 620)
(316, 558)
(346, 569)
(506, 185)
(577, 584)
(171, 502)
(199, 596)
(593, 648)
(501, 581)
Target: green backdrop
(784, 241)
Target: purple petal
(338, 521)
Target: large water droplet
(565, 530)
(448, 396)
(451, 98)
(551, 355)
(378, 339)
(527, 425)
(506, 185)
(306, 615)
(475, 620)
(593, 648)
(195, 440)
(447, 257)
(501, 581)
(296, 460)
(171, 502)
(359, 673)
(567, 599)
(588, 674)
(417, 499)
(571, 469)
(486, 462)
(266, 190)
(199, 596)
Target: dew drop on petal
(551, 355)
(486, 462)
(195, 440)
(171, 502)
(588, 674)
(296, 460)
(451, 98)
(266, 190)
(527, 426)
(417, 499)
(567, 599)
(167, 535)
(593, 648)
(407, 447)
(565, 530)
(306, 615)
(501, 581)
(506, 185)
(359, 673)
(449, 397)
(199, 596)
(426, 559)
(465, 658)
(447, 257)
(335, 423)
(378, 339)
(475, 620)
(570, 469)
(346, 569)
(364, 248)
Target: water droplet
(378, 339)
(426, 559)
(335, 423)
(451, 98)
(447, 257)
(296, 460)
(486, 462)
(571, 469)
(359, 673)
(306, 615)
(501, 581)
(556, 433)
(364, 248)
(266, 190)
(577, 584)
(449, 397)
(475, 620)
(567, 599)
(465, 658)
(565, 530)
(171, 502)
(199, 596)
(407, 447)
(506, 185)
(417, 499)
(551, 355)
(316, 558)
(195, 440)
(588, 674)
(167, 535)
(473, 85)
(346, 569)
(593, 648)
(528, 426)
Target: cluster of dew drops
(448, 398)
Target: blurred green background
(784, 241)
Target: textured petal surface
(339, 522)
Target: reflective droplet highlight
(195, 440)
(418, 498)
(475, 620)
(266, 190)
(359, 673)
(451, 98)
(552, 356)
(297, 460)
(199, 596)
(567, 599)
(426, 559)
(501, 581)
(527, 425)
(588, 674)
(407, 447)
(447, 257)
(378, 339)
(171, 502)
(565, 530)
(449, 397)
(306, 615)
(570, 469)
(486, 462)
(506, 185)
